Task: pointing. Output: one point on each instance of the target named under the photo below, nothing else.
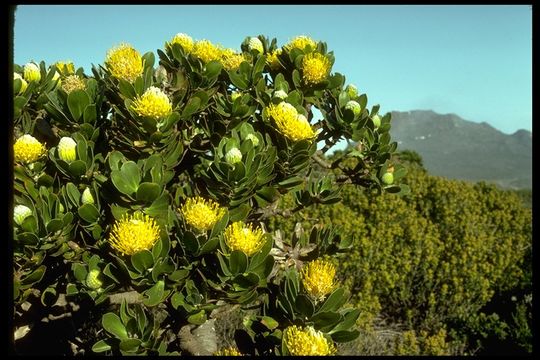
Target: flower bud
(352, 91)
(233, 156)
(235, 95)
(376, 121)
(255, 44)
(67, 149)
(32, 72)
(87, 197)
(388, 178)
(253, 138)
(21, 212)
(24, 84)
(280, 94)
(354, 107)
(92, 280)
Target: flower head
(200, 213)
(86, 197)
(27, 149)
(300, 42)
(255, 44)
(231, 60)
(92, 279)
(352, 91)
(354, 107)
(233, 156)
(20, 213)
(280, 94)
(134, 233)
(229, 351)
(184, 40)
(245, 238)
(67, 149)
(124, 62)
(376, 121)
(206, 51)
(153, 103)
(273, 61)
(72, 83)
(315, 68)
(291, 124)
(318, 278)
(65, 67)
(31, 72)
(24, 84)
(307, 341)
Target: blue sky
(474, 61)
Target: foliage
(158, 180)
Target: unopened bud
(233, 156)
(255, 44)
(92, 280)
(280, 94)
(86, 197)
(24, 84)
(20, 213)
(352, 91)
(354, 107)
(253, 138)
(32, 72)
(388, 178)
(67, 149)
(376, 121)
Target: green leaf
(112, 324)
(30, 224)
(89, 213)
(190, 242)
(77, 102)
(345, 336)
(269, 322)
(191, 107)
(213, 68)
(334, 301)
(127, 179)
(90, 114)
(101, 346)
(326, 319)
(349, 320)
(239, 213)
(304, 305)
(237, 80)
(155, 294)
(198, 318)
(148, 192)
(159, 206)
(54, 225)
(77, 168)
(238, 262)
(130, 345)
(79, 271)
(142, 260)
(35, 276)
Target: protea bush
(145, 188)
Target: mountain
(459, 149)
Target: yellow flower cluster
(65, 67)
(318, 278)
(245, 238)
(272, 60)
(184, 40)
(124, 62)
(229, 351)
(206, 51)
(72, 83)
(300, 42)
(231, 60)
(291, 124)
(315, 68)
(134, 233)
(27, 149)
(307, 341)
(200, 213)
(154, 103)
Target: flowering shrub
(146, 188)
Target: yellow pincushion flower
(230, 351)
(206, 51)
(65, 67)
(184, 40)
(231, 60)
(318, 278)
(300, 42)
(27, 149)
(307, 341)
(72, 83)
(245, 238)
(291, 124)
(134, 233)
(124, 62)
(272, 60)
(315, 68)
(153, 103)
(200, 213)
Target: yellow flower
(67, 149)
(153, 103)
(27, 149)
(231, 60)
(124, 62)
(291, 124)
(318, 278)
(245, 238)
(65, 67)
(31, 72)
(24, 84)
(184, 40)
(134, 233)
(201, 214)
(300, 42)
(272, 60)
(206, 51)
(72, 83)
(315, 68)
(307, 341)
(229, 351)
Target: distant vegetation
(445, 269)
